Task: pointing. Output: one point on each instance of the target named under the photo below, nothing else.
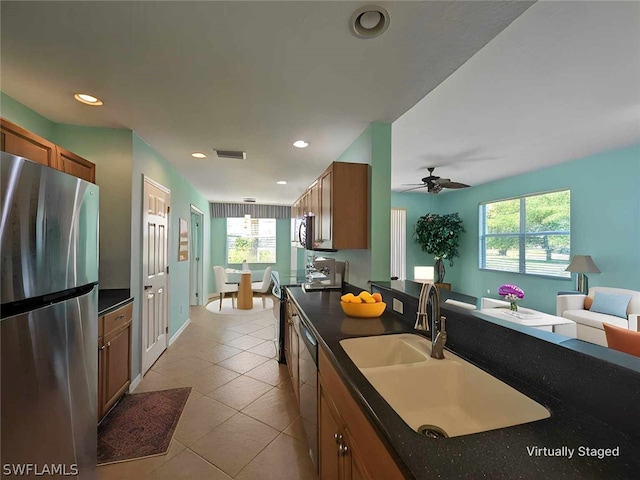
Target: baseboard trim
(179, 332)
(134, 383)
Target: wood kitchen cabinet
(349, 447)
(291, 348)
(114, 357)
(18, 141)
(340, 200)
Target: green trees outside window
(529, 234)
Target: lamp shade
(582, 264)
(423, 274)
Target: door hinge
(166, 329)
(196, 294)
(168, 209)
(167, 269)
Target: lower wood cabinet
(114, 357)
(349, 447)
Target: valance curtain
(235, 210)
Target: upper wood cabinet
(339, 198)
(75, 165)
(18, 141)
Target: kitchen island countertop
(505, 453)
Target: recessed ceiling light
(300, 144)
(369, 21)
(198, 155)
(281, 182)
(88, 99)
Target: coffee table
(532, 318)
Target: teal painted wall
(110, 150)
(147, 162)
(219, 247)
(605, 223)
(373, 147)
(23, 116)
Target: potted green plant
(439, 235)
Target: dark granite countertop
(496, 454)
(111, 299)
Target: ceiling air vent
(249, 200)
(235, 154)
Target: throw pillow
(588, 301)
(611, 304)
(622, 339)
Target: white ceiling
(560, 82)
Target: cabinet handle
(147, 287)
(343, 449)
(338, 438)
(120, 316)
(102, 347)
(108, 344)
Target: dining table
(244, 278)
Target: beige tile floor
(241, 420)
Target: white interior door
(155, 318)
(195, 257)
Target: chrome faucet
(429, 319)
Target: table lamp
(582, 264)
(423, 274)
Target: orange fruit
(377, 297)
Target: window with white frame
(251, 239)
(529, 234)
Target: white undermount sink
(431, 395)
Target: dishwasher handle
(310, 341)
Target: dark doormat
(140, 425)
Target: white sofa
(589, 324)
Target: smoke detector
(235, 154)
(369, 21)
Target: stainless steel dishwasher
(308, 386)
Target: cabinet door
(117, 365)
(314, 207)
(75, 165)
(325, 210)
(18, 141)
(329, 439)
(354, 466)
(295, 354)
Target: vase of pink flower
(511, 293)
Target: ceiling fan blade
(413, 184)
(414, 188)
(441, 180)
(453, 185)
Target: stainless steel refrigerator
(49, 321)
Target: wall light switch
(488, 290)
(398, 306)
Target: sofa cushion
(634, 304)
(611, 304)
(594, 319)
(588, 301)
